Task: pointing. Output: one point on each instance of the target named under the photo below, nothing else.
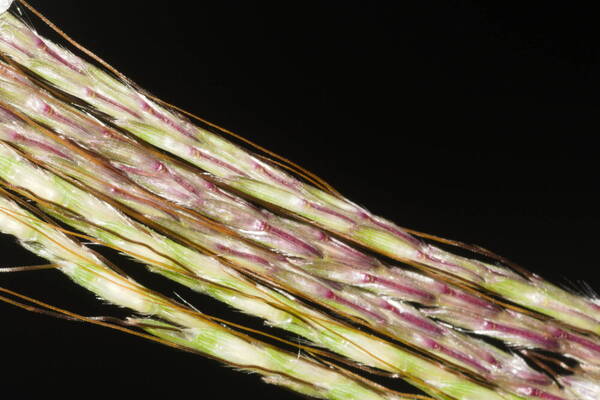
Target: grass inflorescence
(87, 155)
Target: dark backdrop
(466, 120)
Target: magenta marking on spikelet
(25, 140)
(544, 341)
(44, 47)
(562, 307)
(199, 153)
(91, 93)
(490, 359)
(10, 74)
(535, 392)
(424, 296)
(193, 189)
(16, 47)
(355, 256)
(594, 305)
(51, 112)
(467, 298)
(109, 133)
(329, 294)
(322, 236)
(136, 171)
(392, 229)
(326, 210)
(294, 185)
(439, 263)
(290, 238)
(562, 334)
(166, 120)
(414, 320)
(436, 346)
(186, 185)
(242, 254)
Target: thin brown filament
(159, 299)
(472, 248)
(183, 271)
(47, 132)
(136, 287)
(285, 161)
(319, 321)
(56, 312)
(409, 347)
(47, 309)
(163, 301)
(359, 321)
(202, 249)
(28, 268)
(187, 213)
(73, 316)
(461, 283)
(120, 75)
(323, 183)
(156, 201)
(235, 266)
(225, 230)
(194, 276)
(304, 173)
(291, 166)
(477, 249)
(130, 253)
(50, 206)
(34, 309)
(29, 207)
(407, 396)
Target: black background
(468, 120)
